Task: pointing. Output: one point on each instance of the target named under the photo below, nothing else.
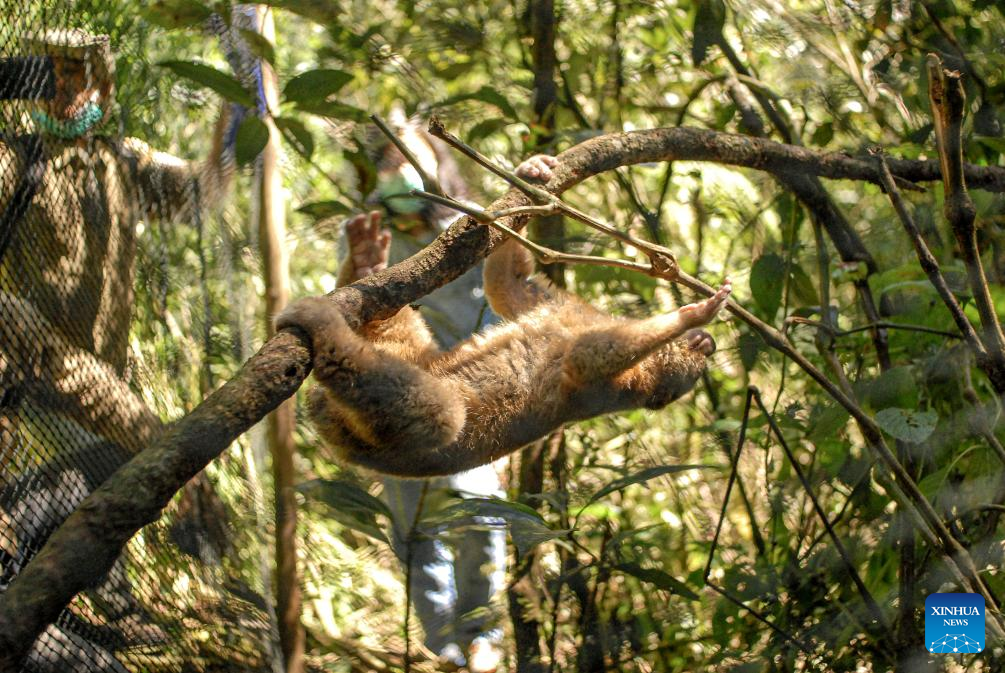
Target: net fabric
(70, 411)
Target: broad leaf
(767, 279)
(349, 504)
(334, 110)
(252, 136)
(176, 13)
(315, 85)
(660, 578)
(321, 210)
(997, 144)
(906, 425)
(486, 94)
(751, 346)
(485, 128)
(526, 526)
(207, 75)
(642, 477)
(297, 135)
(259, 45)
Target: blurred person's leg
(432, 567)
(480, 573)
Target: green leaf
(823, 134)
(526, 526)
(208, 76)
(826, 421)
(321, 210)
(641, 477)
(486, 94)
(320, 11)
(723, 115)
(485, 128)
(767, 278)
(751, 345)
(344, 494)
(315, 85)
(173, 14)
(660, 578)
(907, 425)
(252, 136)
(349, 504)
(893, 388)
(997, 144)
(297, 135)
(708, 23)
(920, 135)
(334, 110)
(803, 290)
(259, 45)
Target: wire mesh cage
(77, 198)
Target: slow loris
(389, 399)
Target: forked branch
(948, 102)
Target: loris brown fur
(389, 399)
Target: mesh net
(82, 207)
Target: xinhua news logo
(954, 623)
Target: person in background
(453, 578)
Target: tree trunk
(271, 215)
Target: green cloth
(69, 129)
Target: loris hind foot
(701, 313)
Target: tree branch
(994, 370)
(945, 92)
(84, 548)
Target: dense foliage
(617, 545)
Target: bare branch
(429, 182)
(928, 263)
(948, 101)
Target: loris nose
(701, 341)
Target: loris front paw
(702, 312)
(537, 168)
(369, 244)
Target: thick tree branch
(87, 544)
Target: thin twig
(661, 258)
(928, 263)
(885, 324)
(543, 254)
(409, 550)
(706, 576)
(429, 182)
(948, 102)
(877, 614)
(537, 194)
